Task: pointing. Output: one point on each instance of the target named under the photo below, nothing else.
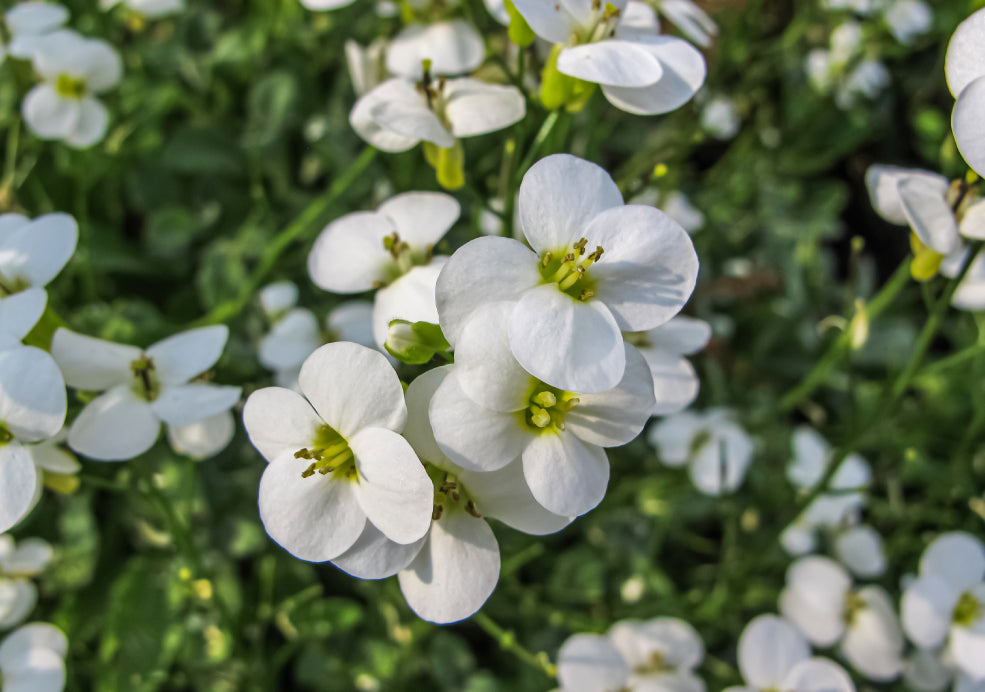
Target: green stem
(299, 228)
(542, 134)
(507, 641)
(956, 359)
(10, 164)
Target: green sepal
(416, 343)
(520, 32)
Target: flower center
(329, 454)
(602, 24)
(853, 604)
(547, 407)
(146, 384)
(570, 270)
(654, 665)
(70, 87)
(404, 257)
(5, 435)
(449, 493)
(967, 610)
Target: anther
(545, 399)
(436, 512)
(308, 472)
(539, 417)
(546, 258)
(470, 508)
(580, 246)
(586, 294)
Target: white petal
(472, 436)
(957, 557)
(483, 270)
(811, 454)
(117, 426)
(720, 465)
(38, 670)
(453, 47)
(278, 297)
(965, 60)
(691, 20)
(649, 267)
(968, 647)
(316, 518)
(926, 610)
(823, 627)
(684, 73)
(814, 598)
(475, 108)
(91, 125)
(190, 403)
(411, 298)
(924, 671)
(30, 557)
(874, 643)
(181, 357)
(860, 549)
(49, 115)
(675, 383)
(683, 335)
(349, 255)
(456, 570)
(19, 482)
(49, 456)
(393, 489)
(17, 599)
(973, 222)
(364, 123)
(399, 108)
(418, 430)
(616, 416)
(966, 123)
(279, 420)
(565, 475)
(677, 642)
(673, 436)
(799, 538)
(884, 193)
(504, 495)
(769, 648)
(589, 662)
(929, 214)
(99, 64)
(352, 388)
(292, 339)
(559, 196)
(203, 439)
(568, 343)
(374, 556)
(33, 636)
(421, 218)
(32, 394)
(353, 321)
(818, 675)
(36, 251)
(90, 363)
(35, 17)
(638, 20)
(548, 18)
(612, 62)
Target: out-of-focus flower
(18, 563)
(33, 252)
(719, 118)
(675, 383)
(33, 658)
(27, 24)
(965, 70)
(691, 20)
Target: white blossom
(18, 563)
(450, 48)
(27, 23)
(675, 383)
(33, 252)
(33, 658)
(965, 70)
(690, 19)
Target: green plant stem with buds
(507, 641)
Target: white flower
(719, 118)
(675, 383)
(965, 70)
(143, 388)
(366, 65)
(390, 249)
(690, 19)
(74, 69)
(597, 267)
(716, 450)
(908, 19)
(149, 9)
(32, 658)
(318, 5)
(490, 411)
(820, 599)
(205, 438)
(451, 48)
(27, 23)
(18, 315)
(18, 595)
(773, 655)
(447, 575)
(33, 252)
(657, 655)
(861, 550)
(843, 70)
(336, 459)
(32, 409)
(947, 601)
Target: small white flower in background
(617, 46)
(18, 564)
(965, 70)
(390, 249)
(142, 388)
(675, 383)
(908, 19)
(860, 549)
(74, 70)
(842, 69)
(366, 65)
(33, 252)
(319, 5)
(719, 118)
(821, 600)
(869, 79)
(773, 655)
(657, 655)
(490, 411)
(947, 602)
(447, 575)
(449, 48)
(205, 438)
(925, 671)
(862, 7)
(597, 267)
(691, 20)
(27, 23)
(32, 658)
(336, 459)
(716, 450)
(147, 9)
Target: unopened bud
(415, 343)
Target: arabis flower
(33, 658)
(719, 118)
(33, 252)
(143, 388)
(617, 46)
(822, 601)
(657, 655)
(366, 65)
(773, 655)
(390, 249)
(716, 450)
(399, 113)
(490, 411)
(449, 574)
(27, 23)
(946, 603)
(842, 68)
(908, 19)
(448, 48)
(18, 564)
(675, 383)
(691, 20)
(597, 267)
(336, 458)
(205, 438)
(74, 70)
(965, 70)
